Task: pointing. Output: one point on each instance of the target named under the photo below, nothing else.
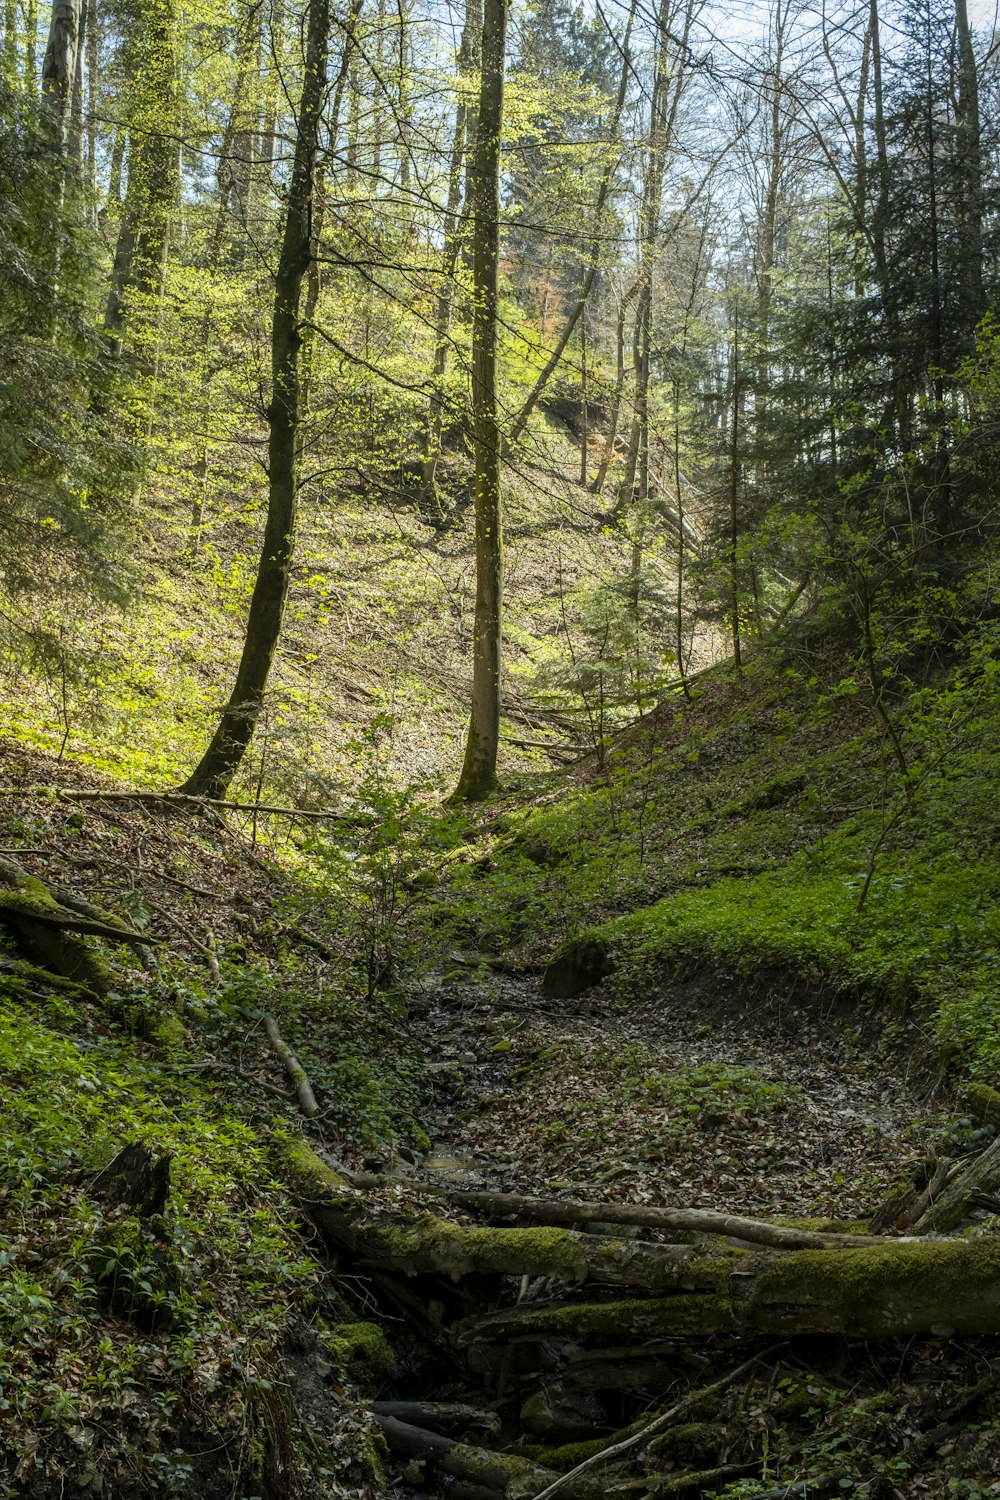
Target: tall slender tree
(479, 770)
(220, 762)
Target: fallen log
(689, 1220)
(426, 1244)
(936, 1287)
(887, 1289)
(501, 1473)
(439, 1416)
(297, 1074)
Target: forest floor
(766, 1045)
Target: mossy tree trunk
(217, 767)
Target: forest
(499, 738)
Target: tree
(217, 767)
(151, 196)
(479, 770)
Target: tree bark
(454, 232)
(970, 148)
(217, 767)
(151, 195)
(479, 774)
(60, 64)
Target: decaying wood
(136, 1178)
(689, 1220)
(978, 1181)
(438, 1416)
(52, 935)
(890, 1288)
(425, 1244)
(903, 1209)
(936, 1287)
(296, 1072)
(501, 1473)
(25, 897)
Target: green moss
(169, 1034)
(362, 1353)
(983, 1103)
(567, 1455)
(308, 1174)
(457, 1250)
(893, 1290)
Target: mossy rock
(362, 1352)
(575, 967)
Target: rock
(575, 967)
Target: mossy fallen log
(887, 1289)
(501, 1473)
(935, 1287)
(53, 934)
(420, 1244)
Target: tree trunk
(970, 152)
(151, 195)
(10, 41)
(479, 775)
(590, 276)
(735, 472)
(60, 65)
(454, 233)
(669, 81)
(213, 774)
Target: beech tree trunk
(217, 767)
(479, 771)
